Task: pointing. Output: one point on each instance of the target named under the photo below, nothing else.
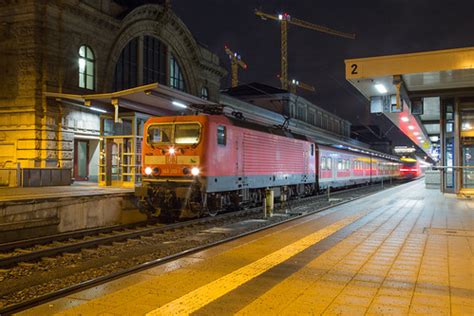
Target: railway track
(30, 265)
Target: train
(204, 164)
(410, 168)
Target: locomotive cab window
(187, 133)
(160, 134)
(221, 135)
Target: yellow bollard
(269, 202)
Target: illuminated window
(176, 75)
(205, 93)
(329, 163)
(86, 63)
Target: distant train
(195, 165)
(410, 168)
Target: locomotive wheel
(212, 213)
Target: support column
(457, 147)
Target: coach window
(323, 163)
(329, 163)
(339, 164)
(312, 150)
(221, 135)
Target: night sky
(382, 27)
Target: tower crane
(298, 84)
(286, 19)
(293, 84)
(235, 62)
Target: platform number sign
(354, 69)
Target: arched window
(176, 75)
(154, 60)
(205, 93)
(127, 67)
(86, 68)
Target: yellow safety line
(204, 295)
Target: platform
(42, 193)
(406, 250)
(39, 211)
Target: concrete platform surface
(75, 190)
(404, 251)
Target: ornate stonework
(39, 42)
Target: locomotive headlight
(171, 151)
(195, 171)
(148, 171)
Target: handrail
(453, 167)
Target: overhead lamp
(416, 133)
(179, 104)
(411, 127)
(381, 88)
(419, 137)
(405, 119)
(97, 109)
(434, 138)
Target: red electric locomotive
(206, 163)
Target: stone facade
(39, 43)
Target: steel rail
(35, 255)
(42, 240)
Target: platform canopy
(407, 88)
(153, 99)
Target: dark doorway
(81, 160)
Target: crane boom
(284, 20)
(235, 62)
(320, 28)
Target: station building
(53, 49)
(429, 96)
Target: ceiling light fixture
(381, 88)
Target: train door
(317, 165)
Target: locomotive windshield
(174, 133)
(187, 133)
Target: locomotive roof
(275, 130)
